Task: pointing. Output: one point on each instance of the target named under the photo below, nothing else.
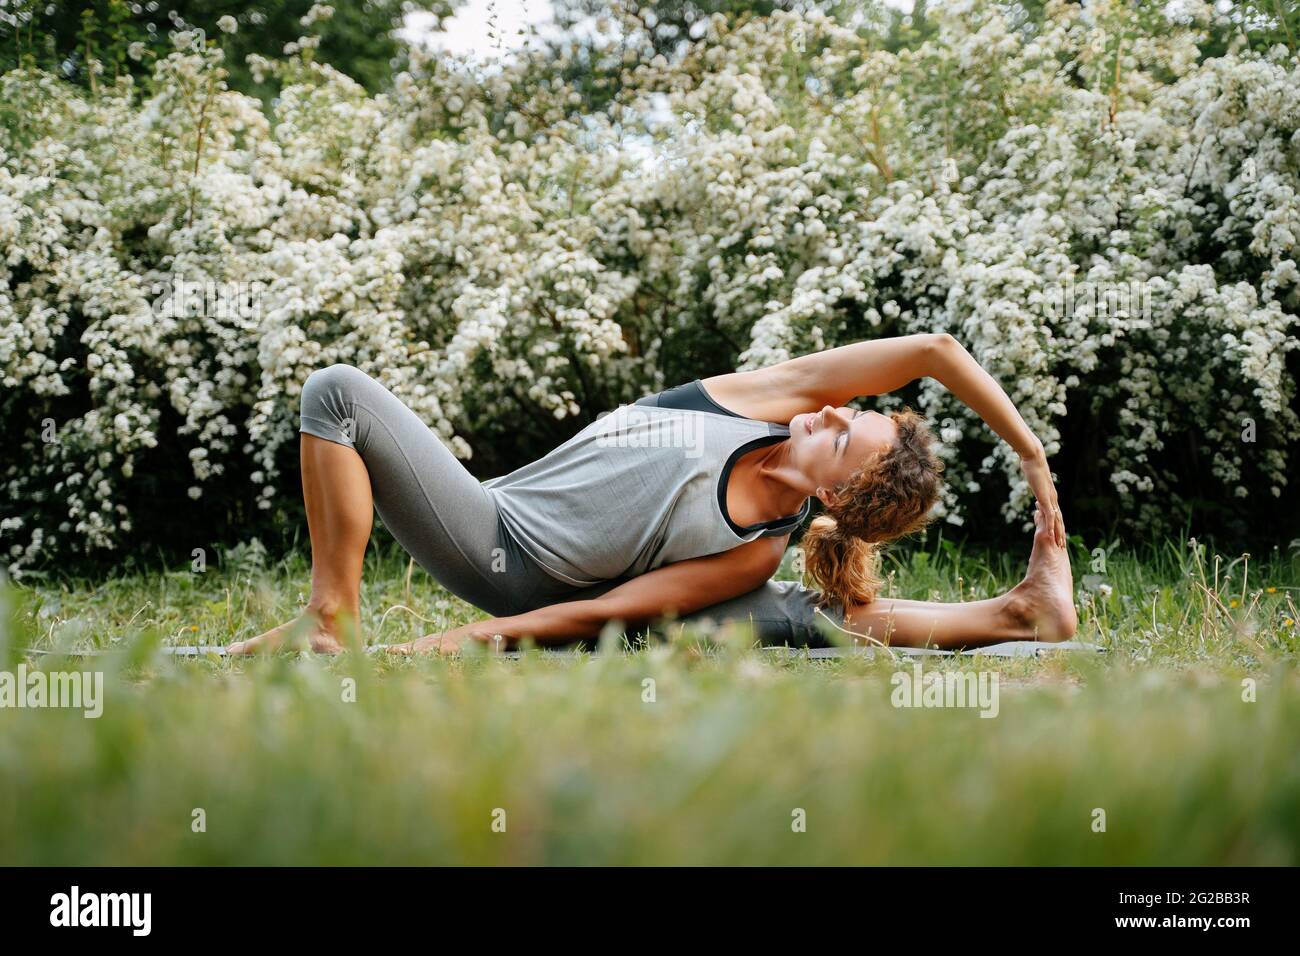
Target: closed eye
(845, 444)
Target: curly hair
(891, 495)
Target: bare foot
(1043, 603)
(315, 628)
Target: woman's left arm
(958, 371)
(834, 376)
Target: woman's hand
(453, 641)
(1039, 476)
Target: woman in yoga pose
(679, 505)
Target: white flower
(318, 12)
(227, 24)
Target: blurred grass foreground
(1179, 745)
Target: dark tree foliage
(358, 39)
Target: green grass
(1155, 733)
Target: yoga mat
(1007, 649)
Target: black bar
(335, 905)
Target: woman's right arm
(679, 588)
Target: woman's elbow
(940, 342)
(939, 353)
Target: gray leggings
(449, 523)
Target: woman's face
(830, 445)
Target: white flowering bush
(1103, 216)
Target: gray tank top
(640, 487)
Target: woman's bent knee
(327, 409)
(333, 378)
